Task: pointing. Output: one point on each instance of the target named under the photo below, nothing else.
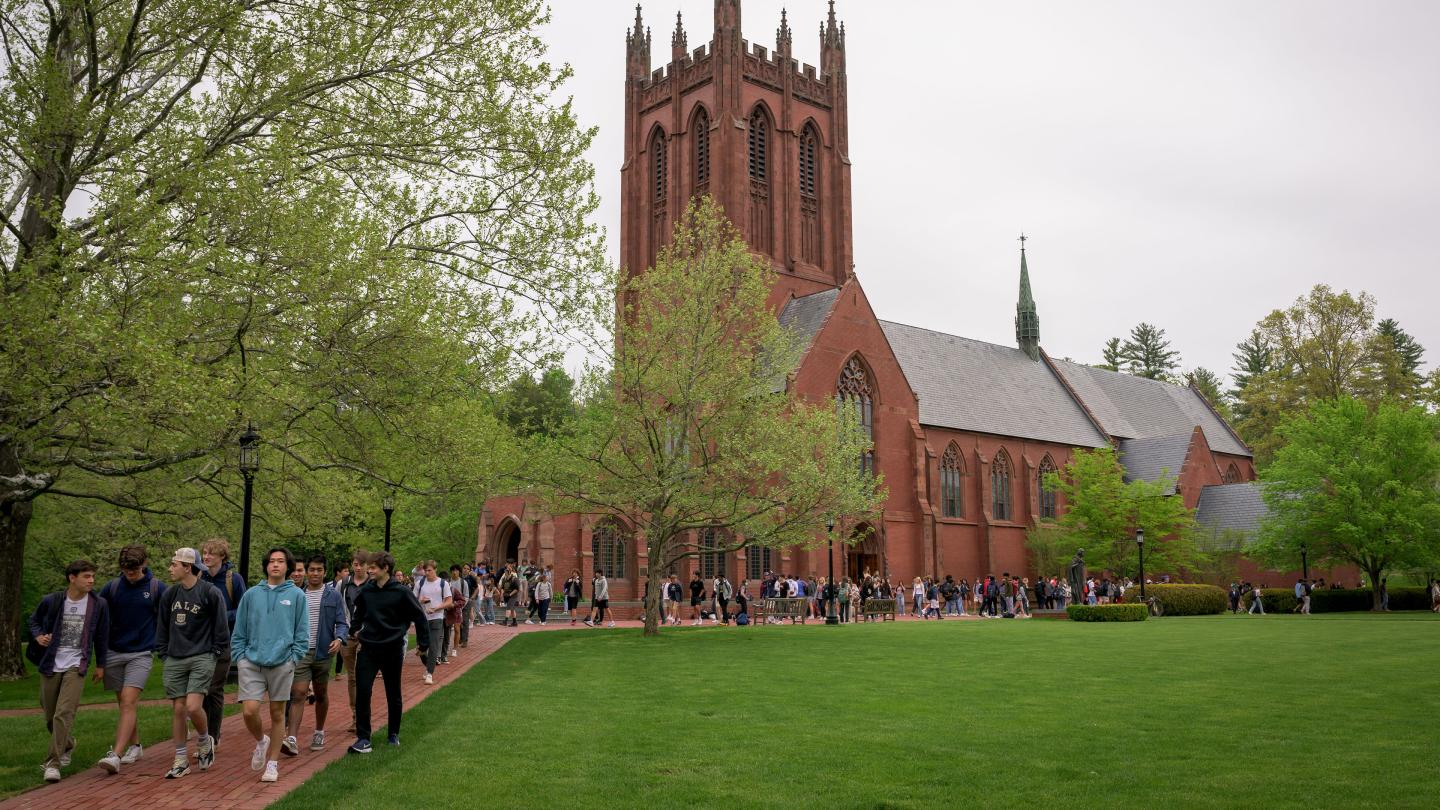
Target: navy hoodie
(231, 587)
(133, 611)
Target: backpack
(742, 619)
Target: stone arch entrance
(864, 554)
(507, 542)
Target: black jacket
(382, 615)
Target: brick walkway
(230, 783)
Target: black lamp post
(249, 465)
(1140, 542)
(1305, 562)
(388, 505)
(830, 616)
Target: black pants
(600, 605)
(215, 699)
(844, 611)
(724, 610)
(386, 660)
(544, 607)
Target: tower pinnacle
(1027, 318)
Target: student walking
(455, 615)
(697, 598)
(600, 597)
(543, 596)
(326, 630)
(510, 592)
(350, 646)
(190, 638)
(134, 602)
(435, 596)
(65, 629)
(215, 553)
(271, 637)
(573, 593)
(384, 611)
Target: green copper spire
(1027, 319)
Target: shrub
(1186, 600)
(1340, 600)
(1128, 612)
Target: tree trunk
(652, 597)
(14, 521)
(1375, 575)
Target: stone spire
(832, 43)
(783, 37)
(1027, 319)
(678, 44)
(637, 49)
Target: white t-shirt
(436, 592)
(68, 653)
(312, 607)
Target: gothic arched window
(701, 128)
(659, 183)
(1047, 492)
(810, 194)
(855, 397)
(1232, 475)
(658, 174)
(607, 544)
(1000, 486)
(712, 559)
(950, 502)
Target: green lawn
(25, 693)
(1206, 712)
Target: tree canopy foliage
(343, 221)
(1355, 484)
(694, 429)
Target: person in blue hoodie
(134, 599)
(271, 635)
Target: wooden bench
(791, 608)
(884, 608)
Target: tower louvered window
(659, 208)
(950, 502)
(855, 397)
(760, 220)
(701, 129)
(809, 195)
(1000, 487)
(1047, 492)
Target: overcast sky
(1194, 165)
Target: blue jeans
(487, 610)
(952, 607)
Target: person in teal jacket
(272, 633)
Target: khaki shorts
(308, 670)
(188, 676)
(256, 681)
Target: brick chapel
(964, 431)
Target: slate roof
(1231, 507)
(1131, 407)
(804, 317)
(971, 385)
(1147, 459)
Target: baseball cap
(190, 556)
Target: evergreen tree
(1397, 357)
(1253, 357)
(545, 406)
(1208, 383)
(1110, 355)
(1146, 353)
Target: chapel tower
(1027, 315)
(762, 134)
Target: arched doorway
(863, 552)
(507, 542)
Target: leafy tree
(1208, 383)
(694, 429)
(1051, 548)
(343, 221)
(1356, 485)
(1111, 359)
(1103, 511)
(529, 406)
(1146, 353)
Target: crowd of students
(282, 636)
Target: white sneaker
(257, 759)
(611, 624)
(110, 763)
(52, 774)
(272, 772)
(429, 679)
(527, 621)
(317, 741)
(132, 754)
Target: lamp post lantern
(1305, 562)
(830, 616)
(387, 504)
(249, 465)
(1140, 542)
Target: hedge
(1186, 600)
(1128, 612)
(1340, 600)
